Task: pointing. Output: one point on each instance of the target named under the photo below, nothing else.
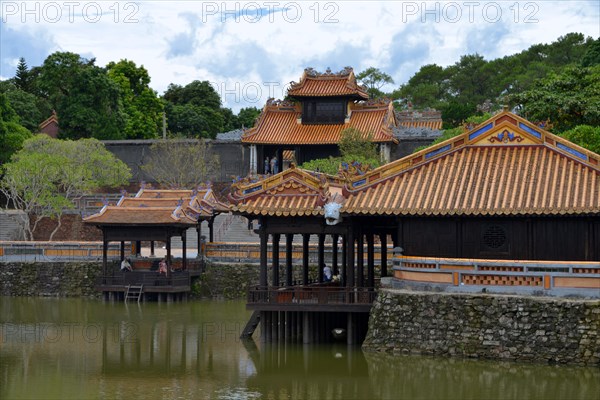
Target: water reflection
(72, 348)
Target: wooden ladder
(134, 292)
(251, 325)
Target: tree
(374, 79)
(567, 99)
(22, 78)
(12, 133)
(47, 174)
(87, 102)
(585, 136)
(355, 147)
(32, 110)
(592, 56)
(197, 93)
(247, 117)
(141, 104)
(181, 163)
(194, 121)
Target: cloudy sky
(252, 50)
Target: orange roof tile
(279, 124)
(314, 84)
(433, 125)
(115, 215)
(505, 166)
(293, 192)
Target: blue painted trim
(252, 190)
(438, 151)
(572, 151)
(526, 128)
(481, 131)
(358, 183)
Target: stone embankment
(520, 328)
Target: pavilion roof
(161, 207)
(328, 84)
(293, 192)
(504, 166)
(280, 123)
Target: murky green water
(74, 348)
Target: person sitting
(327, 274)
(162, 267)
(126, 265)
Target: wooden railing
(543, 276)
(148, 279)
(312, 295)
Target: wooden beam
(210, 229)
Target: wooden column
(350, 259)
(321, 256)
(152, 248)
(184, 250)
(264, 237)
(104, 254)
(289, 238)
(199, 238)
(169, 261)
(360, 260)
(334, 255)
(138, 248)
(122, 250)
(210, 229)
(305, 239)
(370, 260)
(276, 238)
(344, 254)
(383, 239)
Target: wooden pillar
(264, 237)
(360, 260)
(184, 250)
(169, 261)
(276, 238)
(210, 229)
(138, 248)
(122, 250)
(321, 256)
(152, 248)
(370, 260)
(105, 254)
(383, 240)
(305, 239)
(350, 259)
(334, 255)
(289, 238)
(344, 254)
(199, 238)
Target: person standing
(267, 165)
(274, 166)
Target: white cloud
(179, 41)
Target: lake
(86, 349)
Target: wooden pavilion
(310, 123)
(154, 215)
(505, 189)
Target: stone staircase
(10, 228)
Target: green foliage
(592, 56)
(181, 164)
(12, 133)
(585, 136)
(473, 120)
(374, 79)
(567, 99)
(354, 146)
(197, 93)
(141, 104)
(87, 101)
(31, 109)
(45, 176)
(22, 77)
(247, 117)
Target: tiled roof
(426, 119)
(505, 166)
(314, 84)
(293, 192)
(158, 207)
(280, 123)
(433, 125)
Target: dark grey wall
(234, 157)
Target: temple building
(503, 191)
(308, 125)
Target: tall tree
(12, 133)
(247, 117)
(22, 78)
(87, 102)
(374, 79)
(141, 104)
(45, 176)
(179, 164)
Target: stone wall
(486, 326)
(63, 279)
